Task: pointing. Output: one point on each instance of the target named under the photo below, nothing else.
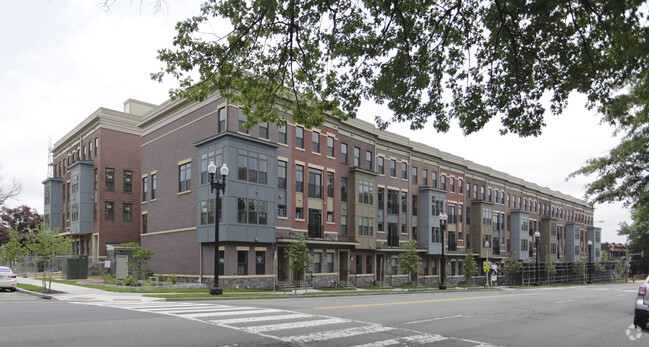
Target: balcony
(393, 238)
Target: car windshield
(4, 269)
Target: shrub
(109, 279)
(172, 279)
(161, 278)
(130, 281)
(149, 283)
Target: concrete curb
(29, 292)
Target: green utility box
(75, 267)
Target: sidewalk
(77, 293)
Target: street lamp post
(537, 236)
(442, 223)
(219, 186)
(486, 244)
(590, 261)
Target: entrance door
(343, 266)
(283, 271)
(380, 266)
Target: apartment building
(93, 194)
(357, 195)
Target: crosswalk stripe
(199, 309)
(424, 338)
(335, 334)
(285, 326)
(389, 342)
(225, 313)
(260, 319)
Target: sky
(62, 60)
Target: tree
(23, 219)
(578, 269)
(138, 259)
(13, 250)
(549, 269)
(8, 191)
(599, 268)
(44, 246)
(410, 261)
(469, 268)
(512, 266)
(464, 61)
(299, 256)
(638, 235)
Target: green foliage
(620, 268)
(161, 278)
(599, 268)
(409, 260)
(512, 265)
(23, 219)
(299, 256)
(467, 61)
(150, 283)
(13, 250)
(109, 279)
(604, 256)
(638, 239)
(130, 281)
(139, 257)
(173, 279)
(469, 268)
(578, 268)
(548, 268)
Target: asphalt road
(595, 315)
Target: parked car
(641, 315)
(8, 279)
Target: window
(424, 177)
(468, 215)
(263, 130)
(393, 201)
(414, 205)
(343, 189)
(502, 198)
(330, 262)
(252, 211)
(381, 199)
(317, 262)
(434, 178)
(359, 264)
(252, 167)
(404, 170)
(109, 210)
(459, 216)
(508, 200)
(368, 160)
(242, 262)
(393, 168)
(357, 157)
(281, 174)
(437, 205)
(207, 212)
(127, 212)
(452, 216)
(343, 225)
(145, 188)
(330, 184)
(75, 212)
(281, 210)
(489, 195)
(281, 137)
(443, 178)
(222, 116)
(482, 193)
(365, 192)
(460, 186)
(184, 177)
(145, 221)
(343, 153)
(206, 158)
(128, 181)
(242, 210)
(452, 184)
(96, 146)
(368, 264)
(260, 262)
(89, 152)
(154, 186)
(519, 202)
(330, 216)
(330, 146)
(242, 165)
(299, 213)
(404, 202)
(414, 175)
(299, 178)
(299, 137)
(242, 121)
(85, 152)
(315, 142)
(315, 183)
(380, 168)
(110, 179)
(475, 191)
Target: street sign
(486, 266)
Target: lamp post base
(216, 291)
(442, 286)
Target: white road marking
(424, 338)
(260, 319)
(294, 325)
(433, 319)
(335, 334)
(225, 313)
(564, 301)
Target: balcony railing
(316, 231)
(393, 238)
